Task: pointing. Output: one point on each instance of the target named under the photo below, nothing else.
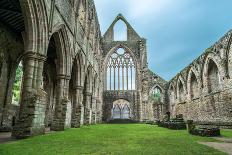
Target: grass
(129, 139)
(226, 133)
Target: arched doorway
(121, 109)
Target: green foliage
(155, 97)
(17, 84)
(123, 139)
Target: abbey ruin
(73, 75)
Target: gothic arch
(193, 85)
(63, 49)
(181, 89)
(213, 58)
(121, 109)
(160, 93)
(78, 67)
(114, 49)
(157, 86)
(36, 25)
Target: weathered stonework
(64, 84)
(205, 97)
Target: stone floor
(224, 144)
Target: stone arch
(63, 49)
(218, 65)
(120, 32)
(122, 109)
(36, 26)
(181, 89)
(111, 51)
(160, 94)
(78, 70)
(193, 83)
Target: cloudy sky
(177, 31)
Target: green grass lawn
(226, 133)
(112, 139)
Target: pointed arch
(213, 72)
(133, 68)
(63, 49)
(121, 71)
(193, 83)
(181, 89)
(120, 31)
(36, 26)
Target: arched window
(181, 91)
(116, 112)
(125, 112)
(121, 109)
(121, 71)
(157, 94)
(194, 90)
(120, 31)
(17, 84)
(213, 77)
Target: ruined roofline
(130, 30)
(208, 50)
(154, 74)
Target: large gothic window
(120, 71)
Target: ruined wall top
(131, 33)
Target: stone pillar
(94, 110)
(98, 111)
(58, 123)
(87, 108)
(77, 106)
(32, 104)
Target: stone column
(33, 99)
(58, 123)
(77, 106)
(94, 110)
(98, 111)
(87, 108)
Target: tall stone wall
(202, 91)
(61, 55)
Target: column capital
(63, 77)
(79, 87)
(33, 56)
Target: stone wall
(202, 91)
(59, 44)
